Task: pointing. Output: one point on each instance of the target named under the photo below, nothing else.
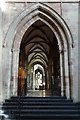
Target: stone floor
(39, 93)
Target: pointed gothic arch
(59, 27)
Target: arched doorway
(61, 34)
(39, 44)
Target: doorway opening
(39, 61)
(39, 35)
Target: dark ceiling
(39, 43)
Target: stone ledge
(44, 1)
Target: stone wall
(0, 56)
(70, 15)
(69, 12)
(79, 51)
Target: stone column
(66, 73)
(34, 79)
(50, 72)
(1, 35)
(45, 80)
(47, 75)
(15, 61)
(26, 68)
(62, 74)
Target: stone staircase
(41, 108)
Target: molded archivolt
(33, 13)
(58, 26)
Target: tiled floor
(39, 93)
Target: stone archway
(14, 37)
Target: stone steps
(41, 108)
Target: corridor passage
(39, 93)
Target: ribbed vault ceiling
(38, 42)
